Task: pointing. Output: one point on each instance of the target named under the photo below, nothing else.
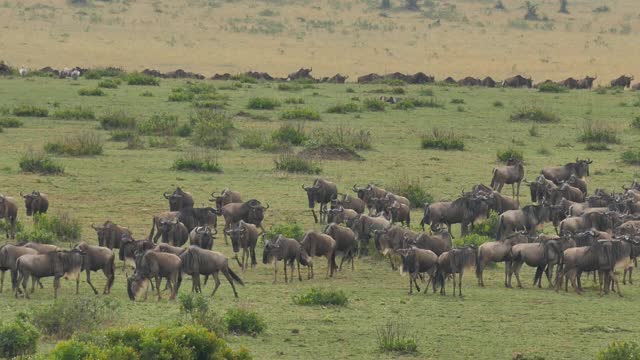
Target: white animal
(75, 73)
(65, 72)
(23, 71)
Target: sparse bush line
(442, 140)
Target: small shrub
(146, 94)
(17, 338)
(372, 104)
(550, 87)
(601, 90)
(321, 297)
(631, 157)
(392, 337)
(243, 321)
(271, 145)
(544, 151)
(426, 92)
(165, 142)
(457, 101)
(49, 229)
(398, 91)
(598, 132)
(263, 103)
(11, 123)
(430, 103)
(597, 147)
(294, 135)
(117, 119)
(30, 110)
(139, 79)
(443, 140)
(635, 123)
(294, 163)
(195, 310)
(498, 103)
(289, 87)
(620, 350)
(488, 228)
(181, 96)
(75, 113)
(291, 230)
(91, 92)
(534, 131)
(297, 101)
(65, 317)
(109, 84)
(460, 108)
(39, 163)
(504, 155)
(123, 135)
(252, 139)
(212, 129)
(534, 113)
(340, 137)
(413, 190)
(300, 114)
(83, 144)
(184, 130)
(350, 90)
(197, 160)
(159, 125)
(344, 108)
(135, 143)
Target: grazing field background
(443, 38)
(126, 186)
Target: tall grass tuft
(295, 163)
(40, 163)
(598, 132)
(159, 125)
(91, 92)
(11, 123)
(75, 113)
(74, 315)
(212, 129)
(340, 137)
(263, 103)
(109, 84)
(300, 114)
(322, 297)
(139, 79)
(534, 113)
(290, 134)
(30, 110)
(200, 160)
(443, 140)
(510, 153)
(82, 144)
(117, 119)
(373, 104)
(344, 108)
(392, 337)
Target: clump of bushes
(140, 79)
(163, 142)
(117, 119)
(300, 114)
(109, 84)
(146, 94)
(293, 100)
(290, 134)
(212, 129)
(498, 103)
(30, 110)
(75, 113)
(39, 163)
(373, 104)
(322, 297)
(242, 321)
(598, 132)
(195, 310)
(295, 163)
(291, 230)
(344, 108)
(340, 137)
(263, 103)
(65, 317)
(10, 123)
(83, 144)
(504, 155)
(534, 113)
(410, 103)
(631, 157)
(635, 123)
(413, 190)
(488, 228)
(159, 125)
(123, 135)
(550, 87)
(17, 338)
(289, 87)
(252, 139)
(442, 140)
(198, 160)
(392, 337)
(620, 350)
(457, 101)
(48, 229)
(91, 92)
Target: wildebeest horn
(265, 208)
(165, 195)
(214, 233)
(94, 226)
(305, 188)
(589, 161)
(204, 230)
(22, 195)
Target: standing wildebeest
(110, 234)
(623, 81)
(541, 188)
(174, 232)
(341, 215)
(318, 244)
(346, 242)
(202, 236)
(569, 83)
(322, 192)
(571, 193)
(196, 261)
(369, 192)
(417, 261)
(400, 213)
(453, 262)
(470, 81)
(584, 222)
(389, 240)
(488, 82)
(511, 174)
(558, 174)
(446, 212)
(517, 81)
(9, 254)
(285, 249)
(170, 249)
(497, 251)
(245, 236)
(98, 258)
(533, 254)
(67, 263)
(363, 226)
(9, 211)
(36, 203)
(251, 212)
(226, 197)
(179, 199)
(438, 243)
(528, 218)
(578, 183)
(129, 247)
(586, 83)
(152, 265)
(300, 74)
(349, 202)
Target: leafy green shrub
(11, 123)
(631, 157)
(620, 350)
(39, 163)
(159, 124)
(117, 119)
(597, 147)
(243, 321)
(300, 114)
(488, 228)
(498, 103)
(244, 79)
(551, 88)
(263, 103)
(413, 190)
(471, 240)
(65, 317)
(30, 110)
(534, 113)
(140, 79)
(75, 113)
(146, 94)
(98, 73)
(295, 163)
(510, 153)
(17, 338)
(287, 133)
(82, 144)
(534, 131)
(195, 310)
(181, 96)
(392, 337)
(52, 228)
(291, 230)
(252, 139)
(123, 135)
(289, 87)
(322, 297)
(135, 143)
(443, 140)
(373, 104)
(344, 108)
(457, 101)
(164, 142)
(341, 137)
(109, 84)
(184, 130)
(74, 349)
(197, 160)
(91, 92)
(635, 123)
(598, 132)
(212, 129)
(292, 100)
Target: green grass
(199, 161)
(11, 123)
(300, 114)
(510, 153)
(82, 144)
(39, 163)
(321, 297)
(344, 108)
(74, 113)
(139, 79)
(263, 103)
(442, 140)
(534, 113)
(393, 337)
(30, 110)
(598, 132)
(294, 163)
(117, 119)
(91, 92)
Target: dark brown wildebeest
(623, 81)
(156, 223)
(202, 236)
(67, 263)
(98, 258)
(420, 78)
(321, 192)
(152, 265)
(173, 232)
(169, 249)
(446, 212)
(531, 254)
(569, 83)
(9, 254)
(511, 174)
(36, 203)
(400, 213)
(452, 262)
(9, 211)
(349, 202)
(129, 247)
(496, 202)
(553, 252)
(110, 234)
(488, 82)
(341, 215)
(573, 225)
(586, 83)
(449, 80)
(369, 78)
(578, 182)
(337, 79)
(541, 188)
(389, 198)
(470, 81)
(245, 236)
(226, 197)
(316, 244)
(558, 174)
(417, 261)
(179, 199)
(346, 242)
(285, 249)
(390, 239)
(369, 192)
(438, 243)
(497, 251)
(196, 261)
(528, 219)
(517, 81)
(636, 87)
(251, 212)
(363, 226)
(571, 193)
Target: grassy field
(126, 186)
(445, 38)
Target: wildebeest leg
(291, 269)
(310, 271)
(507, 270)
(614, 278)
(410, 284)
(516, 271)
(339, 268)
(459, 283)
(227, 226)
(573, 274)
(216, 277)
(158, 282)
(2, 279)
(299, 275)
(56, 285)
(253, 256)
(275, 270)
(549, 272)
(33, 284)
(284, 262)
(25, 282)
(90, 284)
(235, 256)
(228, 276)
(415, 282)
(315, 217)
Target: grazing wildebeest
(623, 81)
(497, 251)
(245, 236)
(452, 262)
(174, 232)
(488, 82)
(36, 203)
(9, 211)
(446, 212)
(251, 212)
(226, 197)
(67, 263)
(202, 236)
(316, 244)
(569, 83)
(578, 183)
(179, 199)
(285, 249)
(417, 261)
(98, 258)
(346, 242)
(129, 247)
(196, 261)
(390, 239)
(470, 81)
(586, 83)
(349, 202)
(152, 265)
(321, 192)
(110, 234)
(301, 74)
(363, 226)
(528, 219)
(517, 81)
(9, 254)
(511, 174)
(558, 174)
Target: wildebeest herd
(595, 233)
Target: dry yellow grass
(210, 36)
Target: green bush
(551, 88)
(510, 153)
(17, 339)
(263, 103)
(83, 144)
(488, 228)
(287, 133)
(635, 123)
(243, 321)
(159, 125)
(392, 337)
(471, 239)
(457, 101)
(289, 87)
(443, 140)
(91, 92)
(291, 230)
(76, 314)
(534, 131)
(252, 139)
(344, 108)
(140, 79)
(30, 110)
(212, 129)
(598, 132)
(165, 142)
(197, 160)
(195, 310)
(75, 113)
(341, 137)
(53, 228)
(36, 235)
(300, 114)
(620, 350)
(321, 297)
(534, 113)
(412, 189)
(117, 119)
(109, 84)
(373, 104)
(179, 95)
(498, 103)
(295, 163)
(11, 123)
(39, 163)
(184, 130)
(135, 143)
(597, 147)
(631, 157)
(292, 100)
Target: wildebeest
(623, 81)
(497, 251)
(541, 188)
(251, 212)
(173, 232)
(517, 81)
(390, 239)
(400, 213)
(349, 202)
(129, 247)
(301, 74)
(288, 250)
(438, 242)
(578, 182)
(245, 236)
(346, 242)
(316, 244)
(67, 263)
(470, 81)
(202, 236)
(110, 234)
(446, 212)
(571, 193)
(40, 248)
(488, 82)
(179, 199)
(363, 226)
(586, 83)
(531, 254)
(584, 222)
(341, 215)
(449, 80)
(369, 192)
(452, 262)
(528, 219)
(196, 261)
(512, 174)
(9, 254)
(98, 258)
(226, 197)
(369, 78)
(558, 174)
(417, 261)
(9, 211)
(162, 247)
(321, 192)
(36, 203)
(153, 265)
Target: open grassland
(456, 38)
(126, 186)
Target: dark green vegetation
(321, 297)
(125, 184)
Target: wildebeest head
(135, 285)
(237, 233)
(312, 194)
(256, 212)
(360, 192)
(29, 201)
(177, 199)
(100, 231)
(582, 167)
(206, 236)
(334, 213)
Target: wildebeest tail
(499, 232)
(236, 277)
(179, 282)
(111, 272)
(478, 261)
(14, 274)
(153, 227)
(493, 178)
